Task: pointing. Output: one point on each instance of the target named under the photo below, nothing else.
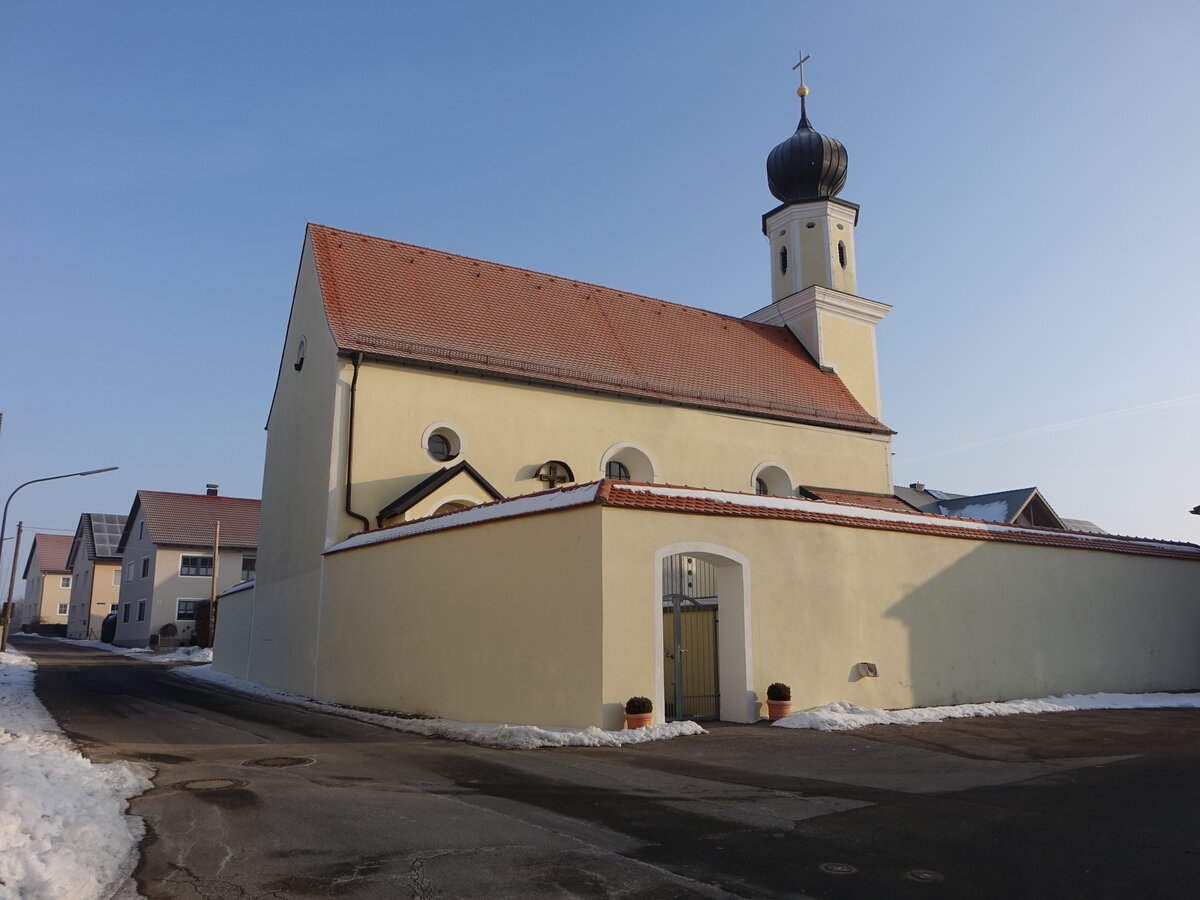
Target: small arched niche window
(783, 260)
(443, 443)
(452, 506)
(634, 463)
(301, 352)
(616, 470)
(772, 479)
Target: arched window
(452, 506)
(616, 470)
(635, 463)
(783, 260)
(842, 256)
(301, 352)
(772, 478)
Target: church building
(467, 513)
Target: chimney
(212, 489)
(916, 486)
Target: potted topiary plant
(779, 701)
(638, 712)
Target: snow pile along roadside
(63, 828)
(487, 734)
(183, 654)
(843, 716)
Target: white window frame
(128, 572)
(64, 609)
(64, 581)
(195, 600)
(245, 556)
(116, 578)
(183, 556)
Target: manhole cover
(280, 762)
(837, 868)
(210, 784)
(926, 875)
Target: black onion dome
(807, 166)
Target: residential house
(487, 490)
(1024, 506)
(167, 548)
(47, 582)
(95, 564)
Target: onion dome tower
(813, 277)
(808, 165)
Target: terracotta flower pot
(637, 720)
(777, 709)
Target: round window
(439, 447)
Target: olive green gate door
(690, 667)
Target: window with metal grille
(616, 470)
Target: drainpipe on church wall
(350, 444)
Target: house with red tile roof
(47, 582)
(169, 564)
(503, 495)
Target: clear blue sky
(1027, 175)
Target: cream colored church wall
(508, 429)
(301, 495)
(497, 623)
(945, 621)
(850, 347)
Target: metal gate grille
(690, 670)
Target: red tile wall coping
(700, 501)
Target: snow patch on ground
(843, 716)
(63, 828)
(487, 734)
(183, 654)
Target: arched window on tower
(783, 260)
(843, 259)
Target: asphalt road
(257, 799)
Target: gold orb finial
(802, 91)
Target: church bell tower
(813, 262)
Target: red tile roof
(855, 498)
(186, 520)
(52, 552)
(407, 303)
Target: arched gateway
(705, 668)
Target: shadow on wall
(1008, 622)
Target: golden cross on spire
(803, 89)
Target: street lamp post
(6, 612)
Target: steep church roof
(411, 304)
